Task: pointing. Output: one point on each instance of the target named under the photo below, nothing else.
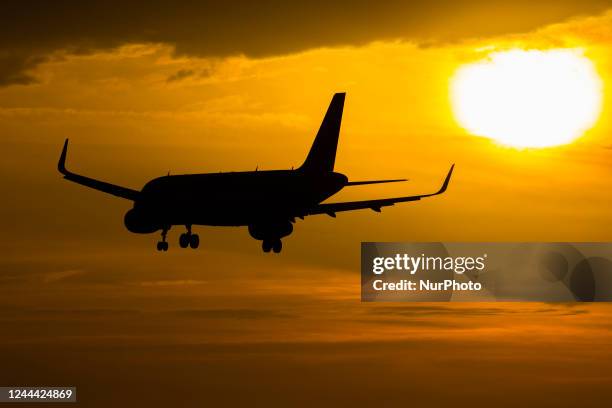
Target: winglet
(61, 165)
(447, 180)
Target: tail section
(322, 154)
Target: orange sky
(84, 302)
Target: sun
(528, 98)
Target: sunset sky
(188, 87)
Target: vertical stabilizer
(322, 154)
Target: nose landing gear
(188, 239)
(163, 244)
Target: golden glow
(528, 98)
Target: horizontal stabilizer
(360, 183)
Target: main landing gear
(275, 245)
(188, 239)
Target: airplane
(267, 202)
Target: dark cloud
(15, 67)
(471, 370)
(183, 74)
(32, 30)
(51, 314)
(180, 75)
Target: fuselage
(235, 198)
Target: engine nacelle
(139, 222)
(270, 230)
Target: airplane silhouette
(267, 202)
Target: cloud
(32, 31)
(63, 314)
(458, 310)
(180, 75)
(61, 275)
(15, 68)
(175, 282)
(186, 73)
(32, 275)
(250, 314)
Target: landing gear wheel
(184, 240)
(194, 241)
(163, 245)
(266, 245)
(277, 246)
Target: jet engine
(139, 222)
(270, 230)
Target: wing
(332, 208)
(115, 190)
